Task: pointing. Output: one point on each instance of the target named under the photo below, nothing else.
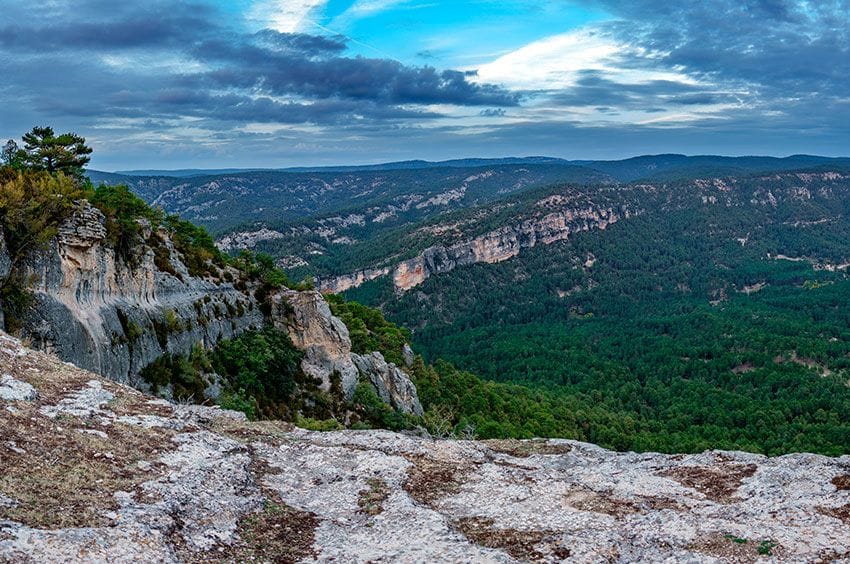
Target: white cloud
(286, 16)
(553, 63)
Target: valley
(673, 313)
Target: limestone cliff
(324, 339)
(115, 316)
(546, 227)
(93, 471)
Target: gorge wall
(491, 247)
(102, 312)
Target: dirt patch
(731, 548)
(128, 403)
(65, 472)
(842, 513)
(743, 368)
(274, 533)
(717, 483)
(273, 433)
(522, 545)
(524, 449)
(587, 500)
(429, 479)
(371, 500)
(278, 533)
(842, 482)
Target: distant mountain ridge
(623, 170)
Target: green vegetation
(264, 368)
(695, 341)
(45, 151)
(369, 331)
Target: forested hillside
(688, 326)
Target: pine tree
(66, 153)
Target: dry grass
(65, 477)
(276, 533)
(730, 548)
(842, 513)
(371, 500)
(524, 449)
(842, 482)
(717, 483)
(273, 433)
(522, 545)
(429, 480)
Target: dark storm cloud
(594, 88)
(85, 28)
(780, 49)
(166, 60)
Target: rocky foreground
(91, 470)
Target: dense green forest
(673, 331)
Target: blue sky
(267, 83)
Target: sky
(274, 83)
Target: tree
(12, 155)
(66, 153)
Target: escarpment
(491, 247)
(114, 315)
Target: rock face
(491, 247)
(100, 313)
(95, 471)
(115, 317)
(324, 339)
(392, 384)
(5, 268)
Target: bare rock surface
(15, 390)
(94, 471)
(307, 317)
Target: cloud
(207, 81)
(493, 112)
(286, 16)
(165, 62)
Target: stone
(308, 320)
(392, 384)
(15, 390)
(97, 311)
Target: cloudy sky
(273, 83)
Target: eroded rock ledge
(91, 470)
(491, 247)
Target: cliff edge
(92, 470)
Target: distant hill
(624, 170)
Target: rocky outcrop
(392, 384)
(491, 247)
(5, 268)
(115, 317)
(92, 471)
(340, 284)
(324, 339)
